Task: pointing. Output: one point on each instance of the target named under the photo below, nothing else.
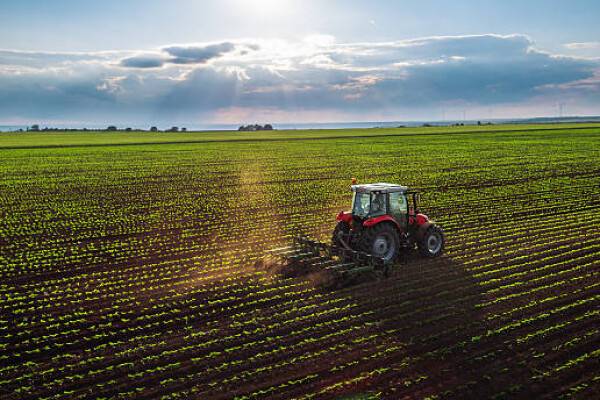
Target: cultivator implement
(334, 265)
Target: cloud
(306, 77)
(477, 48)
(185, 55)
(34, 59)
(198, 54)
(590, 50)
(583, 45)
(203, 89)
(53, 94)
(143, 61)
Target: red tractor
(385, 219)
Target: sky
(150, 62)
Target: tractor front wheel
(431, 244)
(382, 241)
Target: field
(129, 266)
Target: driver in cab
(377, 205)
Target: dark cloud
(197, 54)
(184, 55)
(52, 95)
(143, 61)
(479, 80)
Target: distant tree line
(255, 127)
(111, 128)
(36, 128)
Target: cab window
(398, 206)
(361, 203)
(398, 203)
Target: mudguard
(420, 219)
(384, 218)
(423, 229)
(344, 216)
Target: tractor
(384, 222)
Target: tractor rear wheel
(431, 244)
(381, 241)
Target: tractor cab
(385, 199)
(384, 218)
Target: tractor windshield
(361, 203)
(368, 204)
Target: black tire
(341, 228)
(381, 241)
(431, 244)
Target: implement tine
(336, 251)
(360, 257)
(309, 245)
(306, 255)
(349, 254)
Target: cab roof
(379, 187)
